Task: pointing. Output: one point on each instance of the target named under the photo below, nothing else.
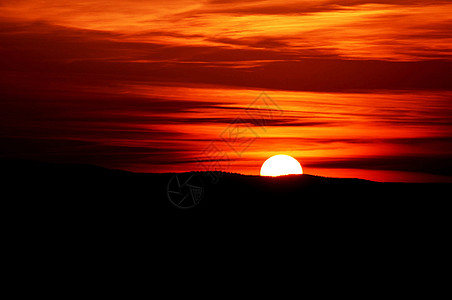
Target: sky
(349, 88)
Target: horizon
(373, 175)
(351, 89)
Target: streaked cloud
(383, 30)
(147, 85)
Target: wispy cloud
(147, 84)
(384, 30)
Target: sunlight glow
(281, 164)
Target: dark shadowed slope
(86, 213)
(89, 191)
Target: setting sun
(281, 164)
(357, 89)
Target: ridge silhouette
(63, 198)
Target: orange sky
(148, 85)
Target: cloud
(91, 152)
(151, 83)
(260, 61)
(438, 165)
(298, 6)
(380, 30)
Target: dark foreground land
(96, 195)
(85, 214)
(86, 222)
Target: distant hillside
(90, 197)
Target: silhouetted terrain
(97, 202)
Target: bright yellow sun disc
(281, 164)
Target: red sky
(357, 88)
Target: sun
(281, 164)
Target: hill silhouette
(98, 201)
